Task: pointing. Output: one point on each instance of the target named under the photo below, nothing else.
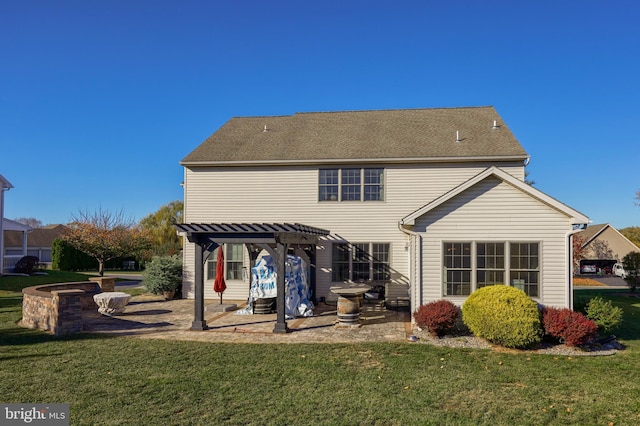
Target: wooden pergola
(275, 238)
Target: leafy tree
(631, 264)
(579, 252)
(29, 221)
(632, 233)
(104, 235)
(160, 226)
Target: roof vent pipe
(458, 136)
(265, 129)
(495, 124)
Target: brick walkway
(152, 317)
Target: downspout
(568, 235)
(417, 293)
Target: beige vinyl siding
(290, 194)
(496, 211)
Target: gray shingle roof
(400, 135)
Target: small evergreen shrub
(503, 315)
(603, 313)
(163, 274)
(573, 328)
(438, 317)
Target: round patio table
(111, 302)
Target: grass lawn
(128, 381)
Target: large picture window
(360, 262)
(468, 266)
(351, 184)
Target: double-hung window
(360, 262)
(490, 264)
(351, 184)
(457, 269)
(232, 260)
(525, 267)
(468, 266)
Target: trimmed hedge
(438, 317)
(503, 315)
(65, 257)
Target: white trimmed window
(360, 262)
(351, 184)
(232, 262)
(468, 266)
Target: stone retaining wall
(58, 308)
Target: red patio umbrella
(219, 286)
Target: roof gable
(592, 232)
(576, 217)
(4, 183)
(436, 134)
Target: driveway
(609, 280)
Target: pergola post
(199, 323)
(281, 272)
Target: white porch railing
(10, 262)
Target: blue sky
(100, 100)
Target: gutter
(401, 160)
(568, 235)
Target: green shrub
(65, 257)
(503, 315)
(163, 274)
(631, 263)
(603, 313)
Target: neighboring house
(6, 264)
(602, 246)
(39, 242)
(430, 203)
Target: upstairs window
(351, 184)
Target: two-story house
(431, 203)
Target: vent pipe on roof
(458, 136)
(495, 125)
(265, 129)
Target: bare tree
(29, 221)
(104, 235)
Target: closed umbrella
(219, 286)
